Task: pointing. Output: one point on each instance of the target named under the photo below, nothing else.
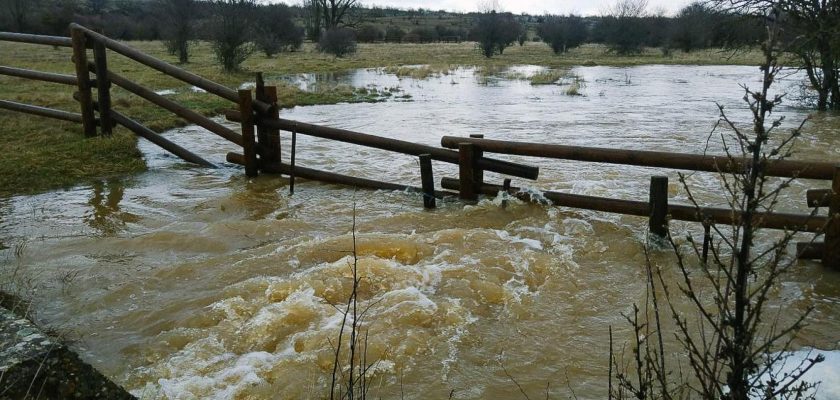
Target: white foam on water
(504, 235)
(516, 290)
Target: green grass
(41, 154)
(548, 77)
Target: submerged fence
(259, 137)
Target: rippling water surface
(191, 283)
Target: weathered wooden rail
(89, 106)
(657, 208)
(257, 113)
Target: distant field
(40, 154)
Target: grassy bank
(41, 154)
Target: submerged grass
(41, 154)
(419, 71)
(548, 77)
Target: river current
(185, 282)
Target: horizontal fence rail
(38, 75)
(804, 223)
(57, 41)
(261, 148)
(41, 111)
(160, 141)
(642, 158)
(168, 69)
(176, 108)
(395, 145)
(331, 177)
(80, 42)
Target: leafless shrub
(734, 346)
(351, 380)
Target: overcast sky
(585, 7)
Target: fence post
(428, 181)
(466, 171)
(658, 220)
(292, 162)
(248, 140)
(831, 249)
(83, 77)
(103, 87)
(268, 138)
(272, 134)
(479, 173)
(259, 94)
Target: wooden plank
(168, 69)
(272, 143)
(57, 41)
(323, 176)
(723, 216)
(39, 76)
(395, 145)
(41, 111)
(267, 137)
(428, 181)
(292, 168)
(85, 95)
(466, 171)
(259, 94)
(249, 145)
(176, 108)
(658, 217)
(478, 177)
(158, 140)
(103, 88)
(831, 251)
(660, 159)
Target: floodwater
(191, 283)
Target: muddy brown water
(190, 283)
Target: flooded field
(191, 283)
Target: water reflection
(105, 215)
(312, 81)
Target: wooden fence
(259, 137)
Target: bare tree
(336, 13)
(339, 42)
(814, 26)
(20, 12)
(178, 30)
(276, 30)
(312, 19)
(327, 15)
(691, 28)
(562, 32)
(57, 15)
(230, 32)
(494, 31)
(97, 6)
(622, 27)
(735, 347)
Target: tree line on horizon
(237, 28)
(695, 27)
